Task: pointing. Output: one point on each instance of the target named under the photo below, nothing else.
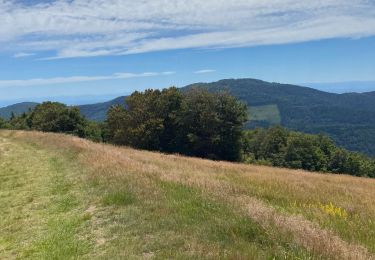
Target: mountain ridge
(17, 109)
(349, 118)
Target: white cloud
(76, 79)
(23, 55)
(85, 28)
(204, 71)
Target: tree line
(277, 146)
(196, 123)
(55, 117)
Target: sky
(86, 50)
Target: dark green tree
(196, 123)
(304, 152)
(19, 122)
(279, 147)
(117, 125)
(274, 145)
(57, 117)
(212, 125)
(150, 120)
(2, 123)
(93, 131)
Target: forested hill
(98, 111)
(257, 93)
(348, 118)
(17, 109)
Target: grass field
(63, 197)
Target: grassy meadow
(62, 197)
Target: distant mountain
(69, 100)
(348, 118)
(372, 94)
(98, 111)
(17, 109)
(343, 87)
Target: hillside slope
(65, 197)
(98, 111)
(349, 119)
(17, 109)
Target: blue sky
(112, 47)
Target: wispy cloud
(23, 55)
(76, 79)
(86, 28)
(204, 71)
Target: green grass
(181, 223)
(358, 225)
(267, 113)
(40, 213)
(219, 224)
(121, 197)
(169, 221)
(65, 198)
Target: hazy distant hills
(343, 87)
(19, 108)
(348, 118)
(98, 111)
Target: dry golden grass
(274, 198)
(305, 232)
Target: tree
(212, 125)
(149, 120)
(171, 106)
(2, 123)
(196, 123)
(19, 122)
(12, 116)
(274, 145)
(232, 115)
(117, 125)
(93, 131)
(279, 147)
(57, 117)
(303, 152)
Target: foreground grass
(40, 208)
(63, 197)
